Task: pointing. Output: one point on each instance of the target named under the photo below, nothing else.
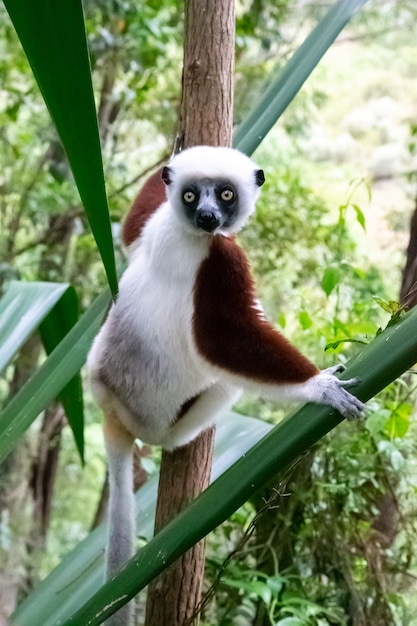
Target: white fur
(122, 528)
(156, 304)
(201, 415)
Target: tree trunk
(205, 119)
(185, 472)
(43, 472)
(15, 504)
(408, 291)
(206, 116)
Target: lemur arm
(231, 332)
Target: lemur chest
(156, 304)
(163, 315)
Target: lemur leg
(121, 513)
(202, 414)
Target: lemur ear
(259, 177)
(166, 175)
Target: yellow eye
(189, 196)
(227, 195)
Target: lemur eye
(227, 195)
(189, 196)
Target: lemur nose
(207, 221)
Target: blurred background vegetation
(334, 546)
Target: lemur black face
(210, 204)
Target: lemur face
(210, 204)
(212, 190)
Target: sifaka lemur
(187, 332)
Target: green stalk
(289, 81)
(384, 360)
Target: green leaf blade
(55, 373)
(60, 320)
(54, 40)
(331, 278)
(22, 308)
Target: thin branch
(139, 176)
(72, 214)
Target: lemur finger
(351, 382)
(350, 407)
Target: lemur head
(212, 190)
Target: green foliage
(22, 307)
(286, 84)
(314, 281)
(136, 54)
(287, 214)
(337, 524)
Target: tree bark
(185, 472)
(15, 513)
(206, 118)
(408, 291)
(43, 472)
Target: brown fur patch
(149, 198)
(230, 332)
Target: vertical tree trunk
(206, 116)
(205, 119)
(15, 513)
(408, 291)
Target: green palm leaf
(53, 37)
(53, 307)
(22, 308)
(56, 325)
(54, 374)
